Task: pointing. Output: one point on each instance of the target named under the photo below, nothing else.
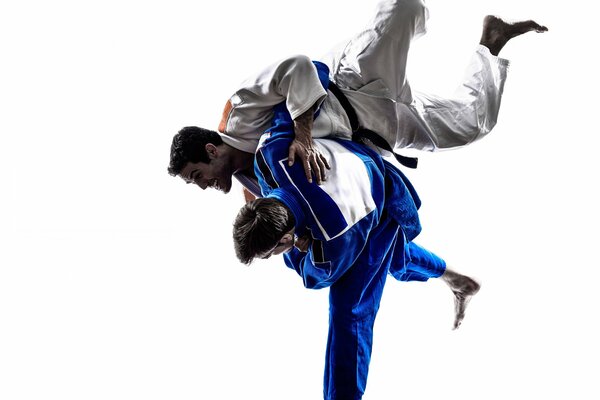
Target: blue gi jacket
(361, 189)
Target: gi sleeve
(294, 80)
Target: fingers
(307, 171)
(321, 165)
(291, 155)
(302, 244)
(316, 169)
(313, 162)
(324, 161)
(321, 170)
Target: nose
(202, 184)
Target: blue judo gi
(362, 221)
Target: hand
(302, 243)
(312, 160)
(303, 147)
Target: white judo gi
(371, 71)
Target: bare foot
(496, 33)
(461, 300)
(463, 288)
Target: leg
(472, 111)
(354, 301)
(421, 264)
(379, 52)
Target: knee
(409, 13)
(415, 8)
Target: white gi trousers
(371, 71)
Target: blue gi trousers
(354, 301)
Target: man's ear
(211, 150)
(287, 238)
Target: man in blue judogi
(349, 233)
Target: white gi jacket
(370, 70)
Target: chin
(227, 187)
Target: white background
(118, 281)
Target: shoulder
(272, 151)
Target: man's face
(285, 244)
(282, 248)
(215, 174)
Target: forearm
(303, 126)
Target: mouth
(215, 184)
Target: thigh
(354, 302)
(358, 292)
(380, 51)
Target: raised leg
(379, 52)
(423, 265)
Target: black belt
(359, 133)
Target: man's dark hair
(259, 226)
(189, 146)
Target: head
(262, 228)
(200, 157)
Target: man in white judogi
(370, 71)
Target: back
(355, 185)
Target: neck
(241, 161)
